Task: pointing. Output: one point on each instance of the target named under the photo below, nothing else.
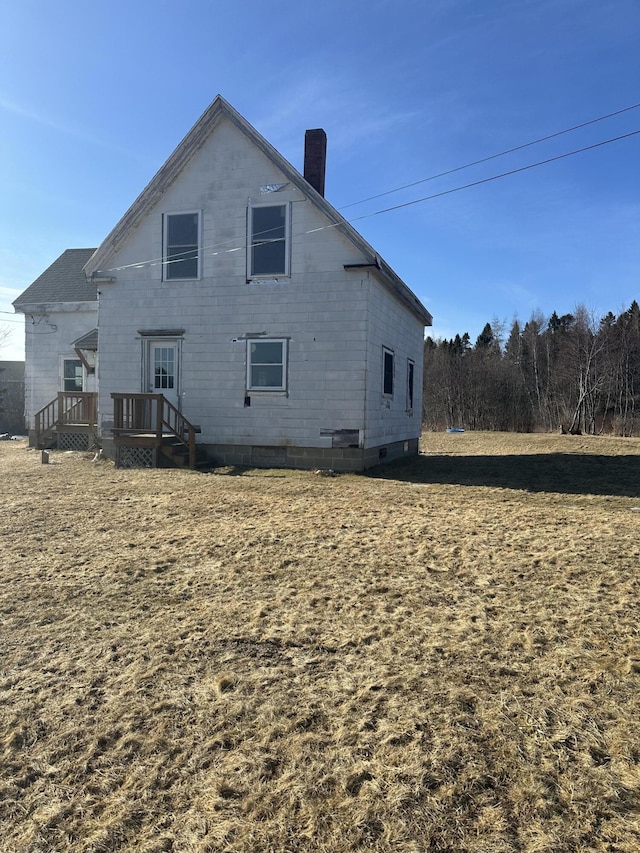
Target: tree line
(571, 372)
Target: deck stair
(150, 432)
(175, 454)
(68, 422)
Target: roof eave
(49, 307)
(158, 185)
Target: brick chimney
(315, 158)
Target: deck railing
(77, 408)
(153, 415)
(69, 408)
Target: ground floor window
(267, 365)
(72, 375)
(410, 372)
(387, 371)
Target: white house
(61, 309)
(234, 290)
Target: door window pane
(163, 368)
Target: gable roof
(183, 154)
(63, 281)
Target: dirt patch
(443, 656)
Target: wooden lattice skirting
(135, 457)
(73, 441)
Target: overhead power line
(213, 249)
(494, 156)
(496, 177)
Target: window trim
(387, 351)
(165, 244)
(251, 276)
(269, 389)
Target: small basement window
(387, 371)
(267, 365)
(181, 246)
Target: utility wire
(496, 177)
(494, 156)
(243, 246)
(155, 261)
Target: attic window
(268, 246)
(182, 246)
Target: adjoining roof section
(189, 146)
(63, 281)
(88, 341)
(11, 371)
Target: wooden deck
(69, 414)
(147, 428)
(150, 422)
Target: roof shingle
(63, 281)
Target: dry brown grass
(441, 657)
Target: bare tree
(4, 336)
(584, 356)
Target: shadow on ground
(564, 473)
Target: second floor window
(268, 244)
(181, 245)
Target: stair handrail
(77, 407)
(178, 426)
(45, 419)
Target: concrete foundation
(338, 459)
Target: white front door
(163, 370)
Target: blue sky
(95, 96)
